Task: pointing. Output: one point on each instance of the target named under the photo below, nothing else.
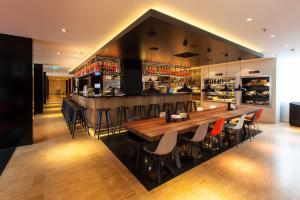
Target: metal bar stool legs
(140, 111)
(122, 116)
(154, 110)
(99, 121)
(168, 106)
(191, 106)
(180, 107)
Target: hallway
(51, 123)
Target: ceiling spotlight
(249, 19)
(58, 53)
(154, 48)
(185, 42)
(151, 34)
(272, 36)
(64, 30)
(286, 46)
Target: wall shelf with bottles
(220, 89)
(257, 91)
(167, 70)
(105, 65)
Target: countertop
(143, 95)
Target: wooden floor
(50, 124)
(83, 168)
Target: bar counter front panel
(112, 102)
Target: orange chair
(216, 132)
(258, 115)
(253, 122)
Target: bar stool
(74, 119)
(140, 111)
(122, 116)
(190, 106)
(180, 107)
(168, 106)
(154, 110)
(99, 121)
(84, 120)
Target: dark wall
(38, 88)
(45, 87)
(15, 91)
(47, 92)
(67, 87)
(131, 82)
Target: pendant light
(207, 87)
(226, 89)
(239, 88)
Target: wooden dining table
(153, 129)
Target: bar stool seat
(99, 121)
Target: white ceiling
(91, 23)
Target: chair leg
(220, 141)
(159, 169)
(168, 164)
(138, 156)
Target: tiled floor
(84, 168)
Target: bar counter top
(94, 103)
(141, 95)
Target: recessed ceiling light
(64, 30)
(272, 36)
(58, 53)
(249, 19)
(286, 45)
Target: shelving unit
(102, 71)
(257, 91)
(217, 89)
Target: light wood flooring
(50, 124)
(84, 168)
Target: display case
(256, 90)
(220, 89)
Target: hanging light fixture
(239, 88)
(207, 87)
(226, 89)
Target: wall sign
(254, 72)
(219, 74)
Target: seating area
(165, 157)
(155, 162)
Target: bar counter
(95, 102)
